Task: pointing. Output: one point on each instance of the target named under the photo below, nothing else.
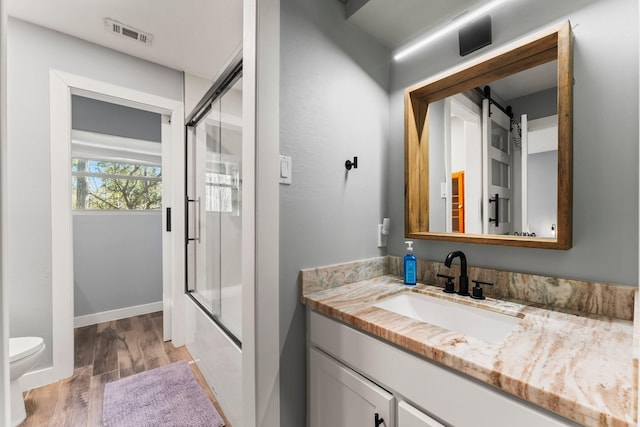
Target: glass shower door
(214, 188)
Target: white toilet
(23, 354)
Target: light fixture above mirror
(432, 175)
(455, 24)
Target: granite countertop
(581, 367)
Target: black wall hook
(349, 164)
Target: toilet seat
(22, 347)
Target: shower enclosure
(214, 202)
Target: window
(114, 173)
(108, 185)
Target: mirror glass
(521, 167)
(488, 149)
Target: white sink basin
(476, 322)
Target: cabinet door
(340, 397)
(408, 416)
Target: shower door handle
(197, 215)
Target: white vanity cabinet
(409, 416)
(338, 396)
(401, 377)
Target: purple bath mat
(165, 396)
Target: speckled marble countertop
(581, 367)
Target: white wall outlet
(386, 225)
(382, 237)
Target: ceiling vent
(127, 31)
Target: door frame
(5, 401)
(61, 86)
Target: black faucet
(463, 282)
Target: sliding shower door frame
(193, 203)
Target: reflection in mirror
(517, 146)
(488, 148)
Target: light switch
(285, 170)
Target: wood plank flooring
(103, 353)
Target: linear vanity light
(464, 19)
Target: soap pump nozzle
(409, 244)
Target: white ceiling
(199, 36)
(395, 22)
(196, 36)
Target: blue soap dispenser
(410, 266)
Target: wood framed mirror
(457, 124)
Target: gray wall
(605, 141)
(92, 115)
(32, 52)
(117, 260)
(333, 106)
(535, 105)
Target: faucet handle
(449, 285)
(476, 293)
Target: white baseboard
(46, 376)
(121, 313)
(37, 378)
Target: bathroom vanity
(370, 365)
